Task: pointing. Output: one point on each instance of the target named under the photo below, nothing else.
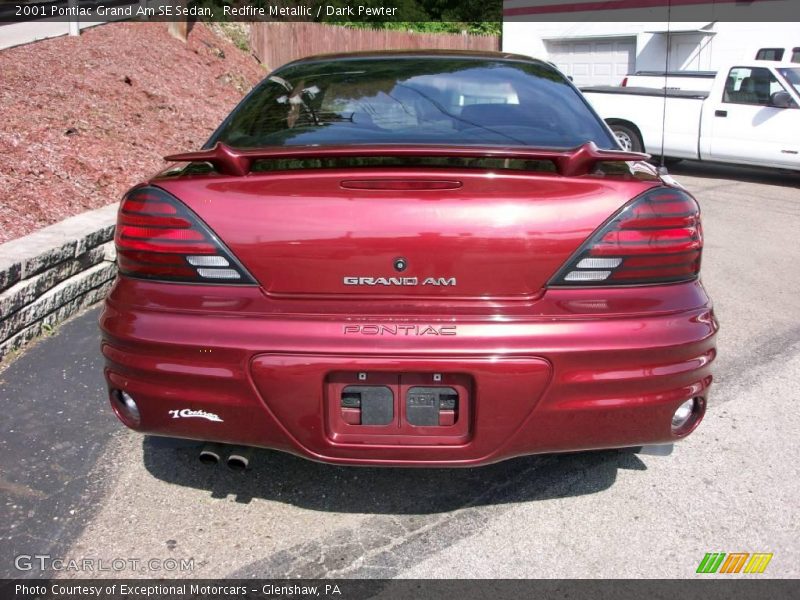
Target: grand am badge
(401, 281)
(199, 414)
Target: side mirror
(781, 99)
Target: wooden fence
(276, 44)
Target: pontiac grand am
(410, 259)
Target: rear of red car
(410, 260)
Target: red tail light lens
(158, 237)
(656, 238)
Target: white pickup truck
(751, 116)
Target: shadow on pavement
(292, 480)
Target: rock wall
(53, 273)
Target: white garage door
(594, 61)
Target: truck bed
(681, 111)
(645, 91)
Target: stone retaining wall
(49, 275)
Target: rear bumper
(581, 372)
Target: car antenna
(662, 167)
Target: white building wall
(730, 42)
(25, 32)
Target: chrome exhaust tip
(211, 454)
(239, 458)
(656, 449)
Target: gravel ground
(84, 118)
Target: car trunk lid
(404, 232)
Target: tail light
(656, 238)
(625, 82)
(158, 237)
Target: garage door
(594, 61)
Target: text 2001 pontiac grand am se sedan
(414, 259)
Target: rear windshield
(415, 100)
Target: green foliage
(478, 17)
(473, 27)
(436, 16)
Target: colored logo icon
(735, 562)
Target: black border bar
(364, 11)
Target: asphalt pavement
(75, 484)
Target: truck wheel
(628, 137)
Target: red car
(411, 259)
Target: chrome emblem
(400, 330)
(401, 281)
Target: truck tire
(628, 137)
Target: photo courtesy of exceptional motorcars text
(399, 299)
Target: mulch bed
(84, 118)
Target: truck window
(747, 85)
(796, 55)
(792, 76)
(770, 54)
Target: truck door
(743, 127)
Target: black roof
(425, 53)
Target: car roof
(416, 54)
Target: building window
(770, 54)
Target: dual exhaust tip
(238, 456)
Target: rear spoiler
(569, 163)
